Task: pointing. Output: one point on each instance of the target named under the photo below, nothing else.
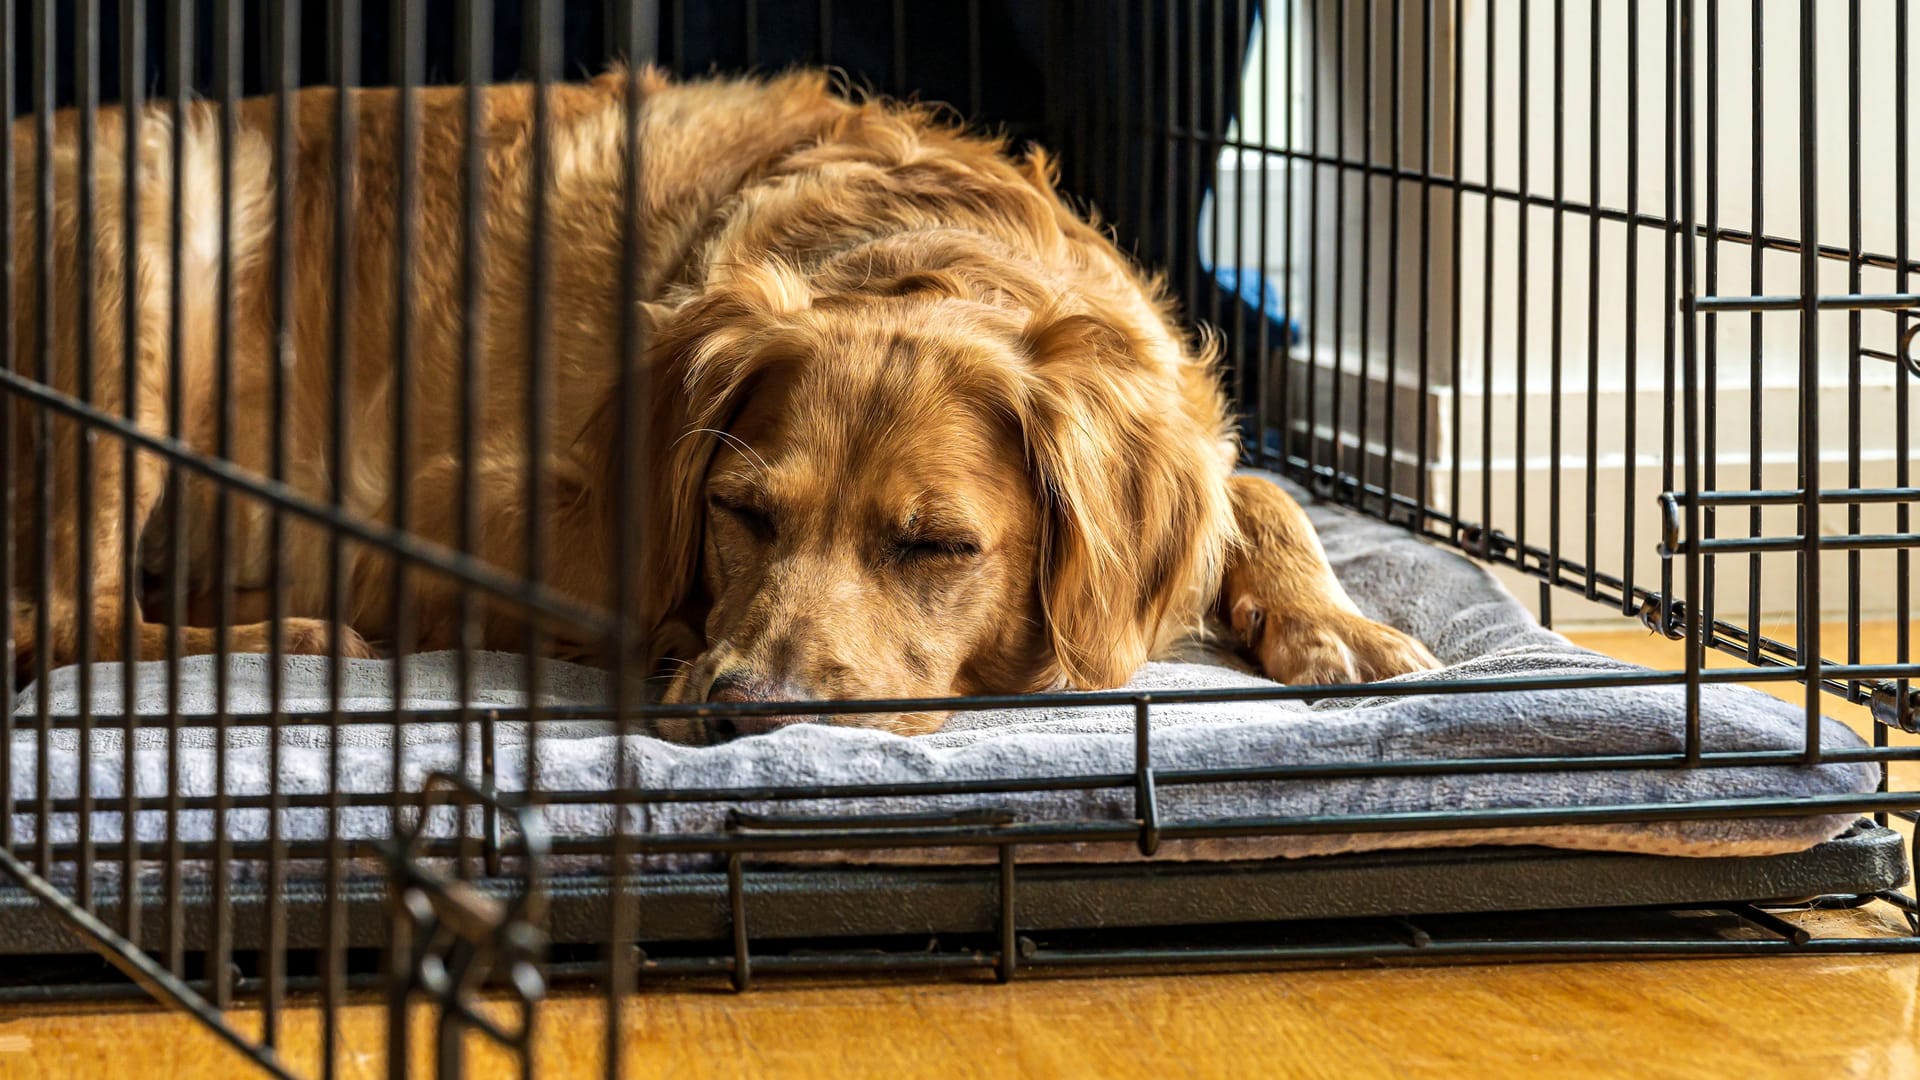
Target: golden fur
(916, 428)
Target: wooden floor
(1812, 1017)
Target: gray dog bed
(1457, 608)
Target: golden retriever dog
(914, 426)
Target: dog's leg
(117, 499)
(106, 581)
(1289, 610)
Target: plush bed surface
(1472, 624)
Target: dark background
(891, 45)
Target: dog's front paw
(1327, 647)
(312, 637)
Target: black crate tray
(825, 904)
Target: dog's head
(920, 485)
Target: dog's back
(701, 142)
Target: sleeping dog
(914, 427)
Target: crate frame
(485, 904)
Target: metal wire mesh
(1417, 180)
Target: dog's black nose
(741, 686)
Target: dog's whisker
(731, 439)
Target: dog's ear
(707, 351)
(1135, 513)
(703, 355)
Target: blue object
(1259, 292)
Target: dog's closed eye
(930, 548)
(757, 520)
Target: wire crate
(1584, 291)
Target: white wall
(1497, 363)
